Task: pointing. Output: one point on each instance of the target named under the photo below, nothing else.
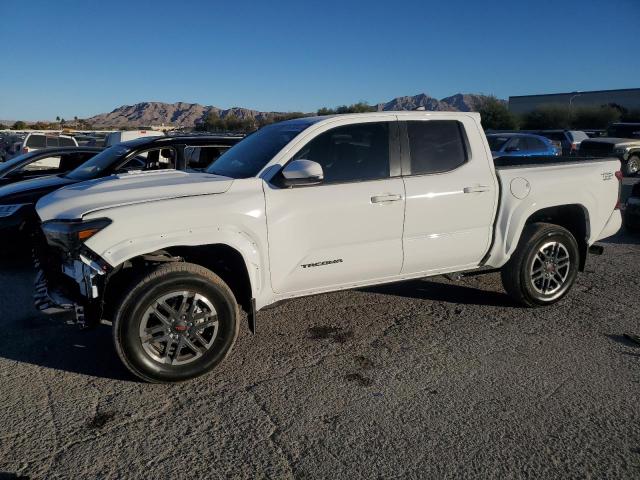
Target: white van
(125, 136)
(36, 141)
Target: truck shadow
(50, 343)
(30, 337)
(443, 292)
(623, 237)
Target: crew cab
(308, 206)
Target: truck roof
(405, 114)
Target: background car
(37, 141)
(520, 145)
(624, 130)
(48, 161)
(567, 140)
(125, 136)
(631, 210)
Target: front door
(347, 229)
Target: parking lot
(430, 379)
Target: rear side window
(578, 136)
(436, 146)
(535, 144)
(53, 142)
(36, 141)
(67, 142)
(353, 153)
(202, 157)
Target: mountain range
(189, 114)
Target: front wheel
(544, 266)
(178, 322)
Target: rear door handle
(387, 197)
(476, 189)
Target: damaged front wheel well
(223, 260)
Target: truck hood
(75, 201)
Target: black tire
(632, 166)
(166, 280)
(517, 273)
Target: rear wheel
(180, 321)
(544, 266)
(632, 167)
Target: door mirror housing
(302, 172)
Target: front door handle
(387, 197)
(476, 189)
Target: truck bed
(546, 160)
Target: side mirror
(302, 172)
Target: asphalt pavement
(425, 379)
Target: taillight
(619, 176)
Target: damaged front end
(70, 277)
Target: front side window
(48, 163)
(352, 153)
(53, 142)
(436, 146)
(67, 142)
(154, 159)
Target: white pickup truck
(309, 206)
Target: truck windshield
(496, 142)
(248, 157)
(99, 164)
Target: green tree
(360, 107)
(495, 114)
(546, 117)
(3, 126)
(19, 125)
(594, 117)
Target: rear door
(451, 195)
(348, 229)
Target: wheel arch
(574, 217)
(226, 261)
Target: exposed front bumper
(65, 286)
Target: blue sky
(86, 57)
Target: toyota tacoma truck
(308, 206)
